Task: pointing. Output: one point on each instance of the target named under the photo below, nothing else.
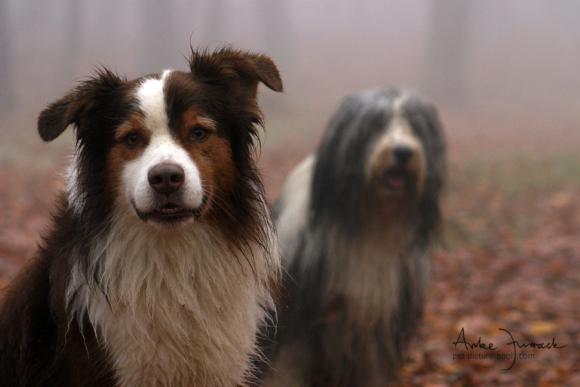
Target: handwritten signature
(513, 343)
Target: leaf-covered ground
(510, 259)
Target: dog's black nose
(402, 154)
(166, 178)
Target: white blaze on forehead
(399, 102)
(399, 130)
(162, 147)
(152, 102)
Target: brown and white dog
(355, 223)
(158, 266)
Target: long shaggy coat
(356, 221)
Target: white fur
(161, 148)
(180, 307)
(177, 306)
(76, 198)
(398, 133)
(358, 278)
(294, 199)
(366, 271)
(399, 102)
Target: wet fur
(110, 301)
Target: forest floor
(510, 259)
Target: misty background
(504, 74)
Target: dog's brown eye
(132, 139)
(198, 133)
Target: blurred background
(505, 76)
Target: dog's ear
(232, 67)
(59, 115)
(70, 109)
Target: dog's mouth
(170, 214)
(395, 180)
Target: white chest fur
(182, 309)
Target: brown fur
(54, 314)
(120, 153)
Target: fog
(493, 67)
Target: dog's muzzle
(166, 182)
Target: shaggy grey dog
(355, 221)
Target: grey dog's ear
(70, 109)
(226, 64)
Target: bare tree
(158, 45)
(447, 50)
(6, 86)
(275, 30)
(73, 38)
(215, 22)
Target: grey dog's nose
(402, 154)
(166, 178)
